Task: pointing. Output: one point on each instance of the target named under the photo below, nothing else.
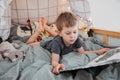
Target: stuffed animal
(14, 55)
(9, 52)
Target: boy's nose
(72, 35)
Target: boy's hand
(103, 50)
(106, 49)
(57, 68)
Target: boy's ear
(58, 32)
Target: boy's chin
(71, 43)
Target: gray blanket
(36, 66)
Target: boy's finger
(55, 71)
(62, 66)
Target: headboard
(106, 34)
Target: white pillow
(5, 18)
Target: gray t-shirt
(57, 46)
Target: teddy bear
(14, 55)
(8, 51)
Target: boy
(66, 41)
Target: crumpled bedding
(36, 66)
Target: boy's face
(69, 34)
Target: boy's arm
(55, 59)
(55, 63)
(100, 51)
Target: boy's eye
(68, 33)
(74, 32)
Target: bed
(36, 63)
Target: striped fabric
(34, 9)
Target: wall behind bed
(105, 14)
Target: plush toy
(9, 52)
(14, 55)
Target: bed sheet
(36, 66)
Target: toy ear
(6, 54)
(23, 53)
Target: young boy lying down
(65, 41)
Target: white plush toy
(9, 52)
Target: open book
(113, 56)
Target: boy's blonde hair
(66, 19)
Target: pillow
(23, 31)
(5, 18)
(15, 36)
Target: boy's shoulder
(57, 38)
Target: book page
(105, 59)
